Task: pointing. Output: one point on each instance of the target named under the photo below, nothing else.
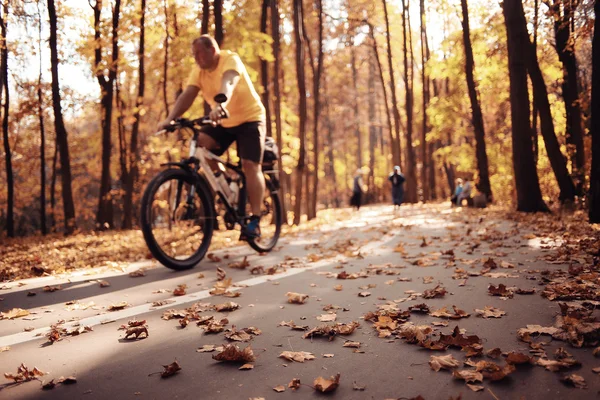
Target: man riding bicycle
(222, 72)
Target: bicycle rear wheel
(270, 223)
(177, 218)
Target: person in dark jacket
(397, 180)
(357, 190)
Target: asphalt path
(107, 366)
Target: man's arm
(230, 79)
(183, 103)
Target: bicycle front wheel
(177, 218)
(271, 219)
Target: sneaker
(252, 230)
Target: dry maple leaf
(246, 367)
(69, 380)
(298, 356)
(327, 385)
(14, 313)
(170, 369)
(518, 358)
(138, 273)
(296, 298)
(118, 306)
(364, 294)
(24, 374)
(338, 288)
(233, 353)
(575, 380)
(354, 345)
(490, 312)
(229, 306)
(438, 291)
(501, 290)
(221, 274)
(213, 258)
(446, 362)
(238, 336)
(240, 264)
(294, 384)
(468, 375)
(104, 283)
(51, 289)
(493, 371)
(180, 290)
(327, 317)
(137, 331)
(279, 389)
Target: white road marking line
(22, 337)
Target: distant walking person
(357, 190)
(397, 179)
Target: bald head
(206, 52)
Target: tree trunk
(534, 119)
(298, 35)
(529, 196)
(53, 188)
(10, 183)
(410, 168)
(395, 136)
(205, 17)
(166, 59)
(218, 11)
(540, 96)
(59, 126)
(277, 99)
(482, 162)
(43, 226)
(316, 109)
(570, 89)
(356, 117)
(372, 131)
(394, 144)
(104, 217)
(264, 68)
(595, 127)
(425, 81)
(133, 144)
(330, 154)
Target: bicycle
(178, 205)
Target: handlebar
(193, 123)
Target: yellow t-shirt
(245, 104)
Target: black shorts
(249, 136)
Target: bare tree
(410, 168)
(300, 169)
(594, 213)
(395, 136)
(277, 96)
(529, 196)
(483, 184)
(59, 126)
(563, 12)
(132, 171)
(10, 183)
(264, 68)
(43, 226)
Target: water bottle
(235, 192)
(223, 184)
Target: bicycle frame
(200, 156)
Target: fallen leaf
(170, 369)
(328, 355)
(490, 312)
(104, 283)
(213, 258)
(475, 388)
(118, 306)
(575, 380)
(48, 385)
(296, 298)
(279, 388)
(233, 353)
(5, 348)
(14, 313)
(207, 348)
(468, 375)
(294, 384)
(501, 290)
(69, 380)
(354, 345)
(138, 273)
(327, 385)
(446, 362)
(241, 264)
(24, 374)
(180, 290)
(51, 289)
(229, 306)
(355, 386)
(137, 331)
(338, 287)
(221, 274)
(327, 317)
(364, 294)
(438, 291)
(298, 356)
(246, 367)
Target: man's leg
(255, 182)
